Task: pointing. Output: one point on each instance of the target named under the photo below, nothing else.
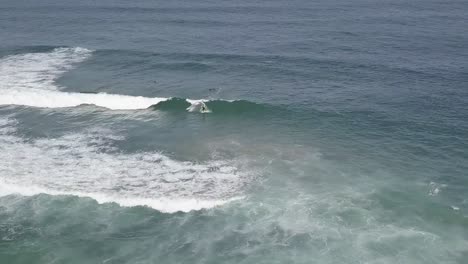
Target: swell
(208, 61)
(288, 63)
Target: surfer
(203, 108)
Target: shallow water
(335, 132)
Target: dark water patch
(196, 61)
(181, 66)
(195, 8)
(241, 107)
(7, 51)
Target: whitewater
(80, 164)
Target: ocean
(217, 131)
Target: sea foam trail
(86, 164)
(29, 80)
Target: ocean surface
(217, 131)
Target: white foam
(166, 205)
(39, 70)
(86, 164)
(53, 99)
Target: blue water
(233, 131)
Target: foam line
(53, 99)
(165, 205)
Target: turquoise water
(333, 132)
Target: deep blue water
(234, 131)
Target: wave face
(214, 106)
(86, 164)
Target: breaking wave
(30, 80)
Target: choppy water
(334, 131)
